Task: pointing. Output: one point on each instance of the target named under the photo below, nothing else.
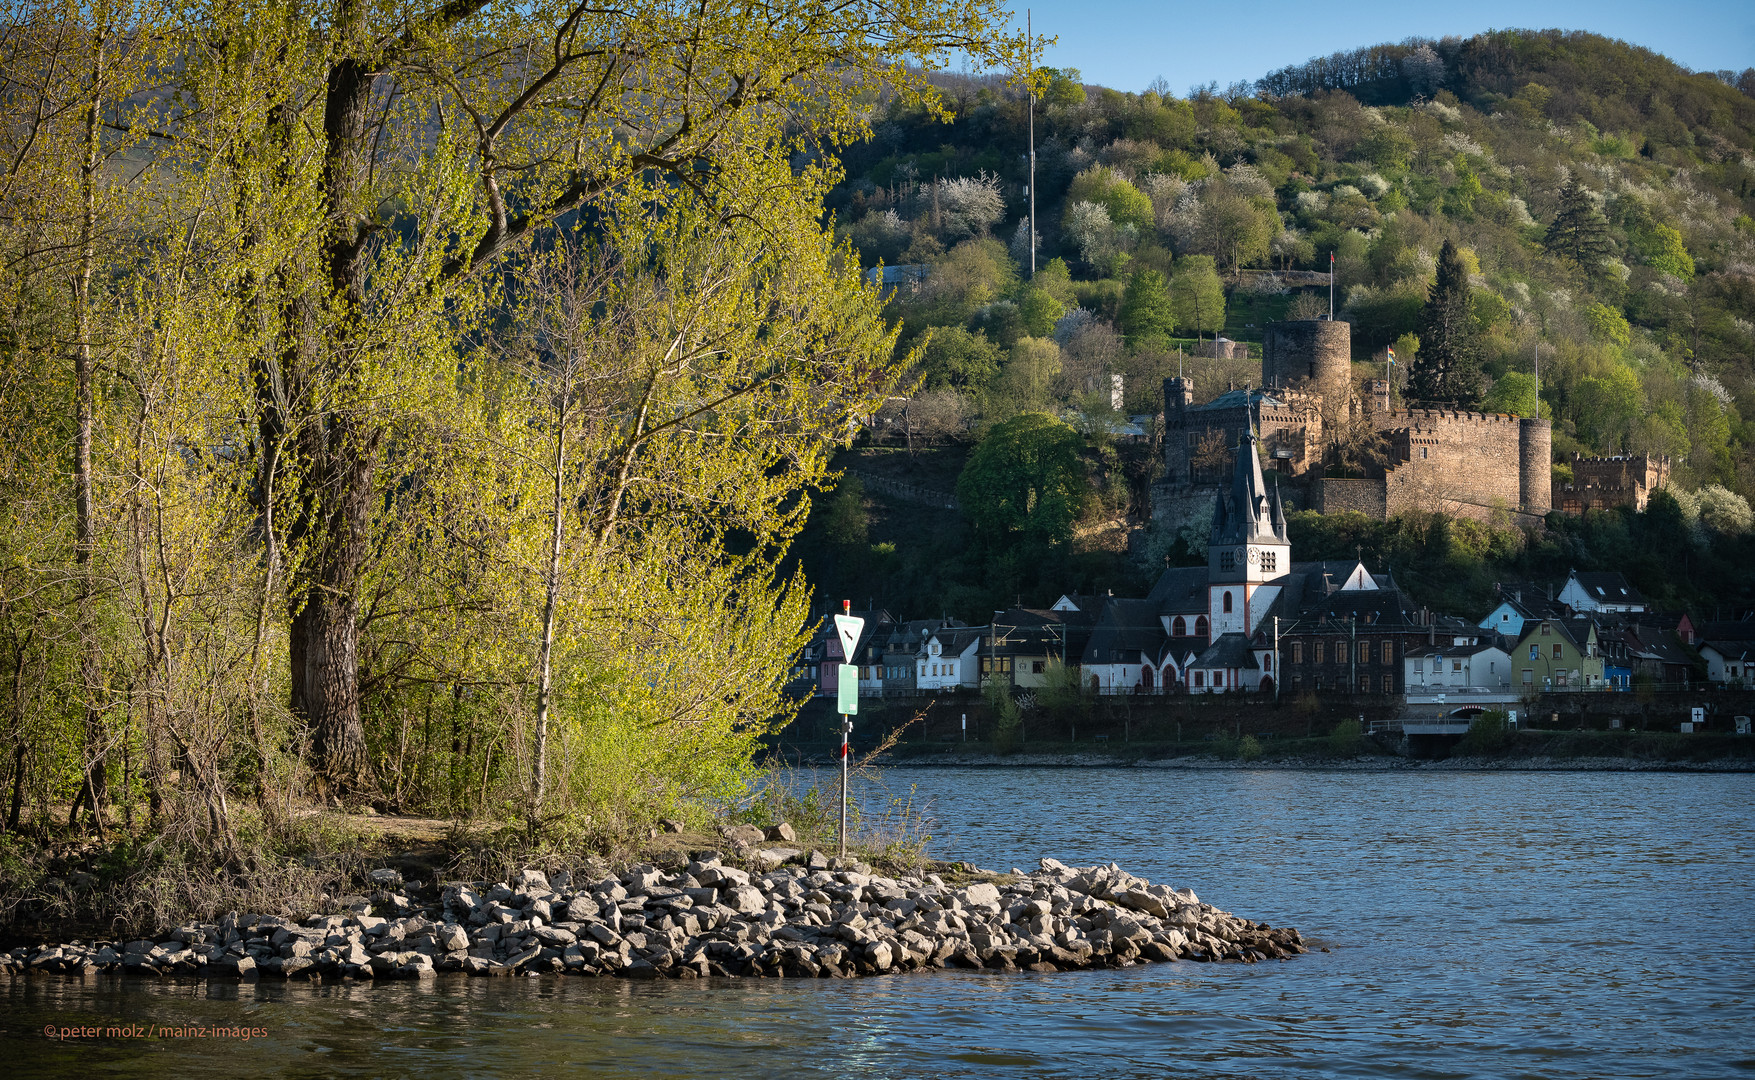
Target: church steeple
(1248, 541)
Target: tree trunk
(325, 690)
(85, 528)
(340, 453)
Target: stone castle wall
(1313, 354)
(1469, 459)
(1454, 461)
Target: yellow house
(1552, 655)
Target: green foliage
(1025, 480)
(1101, 185)
(1347, 739)
(846, 521)
(1197, 296)
(1146, 310)
(1038, 309)
(1489, 733)
(958, 358)
(1447, 368)
(1514, 392)
(1667, 254)
(1608, 325)
(1579, 233)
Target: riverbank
(782, 913)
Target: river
(1479, 925)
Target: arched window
(1179, 627)
(1146, 677)
(1200, 626)
(1227, 601)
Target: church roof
(1246, 514)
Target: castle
(1462, 463)
(1599, 483)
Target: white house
(1601, 592)
(1729, 661)
(1457, 665)
(949, 658)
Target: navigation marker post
(847, 629)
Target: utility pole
(1030, 42)
(1331, 286)
(1279, 672)
(1353, 651)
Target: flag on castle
(1391, 353)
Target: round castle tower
(1310, 354)
(1535, 474)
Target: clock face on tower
(1254, 556)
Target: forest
(1516, 206)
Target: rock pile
(810, 917)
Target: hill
(1598, 195)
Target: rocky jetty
(794, 915)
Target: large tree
(1446, 370)
(361, 170)
(1025, 481)
(1579, 233)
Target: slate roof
(1608, 588)
(1181, 590)
(1229, 651)
(1126, 631)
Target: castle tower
(1248, 545)
(1311, 354)
(1535, 474)
(1178, 393)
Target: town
(1255, 621)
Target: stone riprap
(805, 916)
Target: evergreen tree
(1579, 233)
(1447, 367)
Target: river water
(1480, 925)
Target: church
(1227, 626)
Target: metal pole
(1031, 46)
(1279, 669)
(846, 726)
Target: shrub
(1346, 738)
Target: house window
(1560, 678)
(1316, 648)
(1388, 651)
(1267, 662)
(1199, 678)
(1423, 453)
(1528, 677)
(1364, 684)
(1535, 652)
(1179, 627)
(1456, 664)
(1227, 560)
(1545, 630)
(1557, 652)
(1200, 626)
(1269, 561)
(1316, 682)
(1297, 682)
(1227, 602)
(1036, 667)
(1341, 651)
(1389, 684)
(1297, 652)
